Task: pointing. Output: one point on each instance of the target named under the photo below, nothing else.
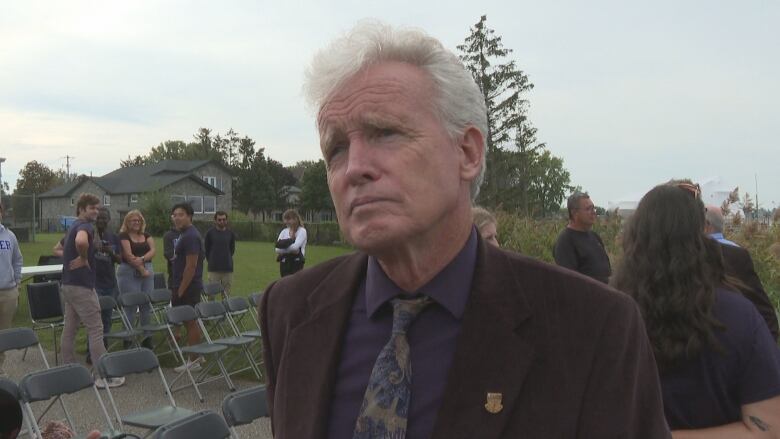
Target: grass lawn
(254, 263)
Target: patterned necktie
(385, 407)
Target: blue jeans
(129, 281)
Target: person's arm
(150, 254)
(232, 243)
(58, 249)
(191, 263)
(16, 260)
(207, 243)
(300, 241)
(127, 254)
(82, 247)
(759, 420)
(168, 246)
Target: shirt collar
(449, 288)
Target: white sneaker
(192, 365)
(111, 382)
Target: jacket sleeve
(623, 395)
(268, 356)
(17, 260)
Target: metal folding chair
(177, 316)
(13, 389)
(136, 361)
(161, 299)
(211, 290)
(149, 330)
(21, 338)
(217, 328)
(127, 333)
(202, 425)
(54, 383)
(244, 321)
(45, 307)
(244, 406)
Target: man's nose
(361, 162)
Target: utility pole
(2, 159)
(67, 166)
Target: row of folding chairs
(50, 384)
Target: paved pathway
(140, 391)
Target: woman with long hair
(135, 273)
(718, 364)
(291, 244)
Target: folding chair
(140, 299)
(45, 306)
(159, 281)
(254, 299)
(21, 338)
(202, 425)
(54, 383)
(177, 316)
(161, 299)
(11, 387)
(136, 361)
(238, 309)
(211, 290)
(244, 406)
(214, 320)
(127, 333)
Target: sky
(629, 94)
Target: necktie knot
(405, 311)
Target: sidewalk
(139, 392)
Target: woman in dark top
(718, 364)
(135, 273)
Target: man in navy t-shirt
(187, 279)
(78, 285)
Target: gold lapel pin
(493, 404)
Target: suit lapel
(313, 351)
(491, 356)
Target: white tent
(714, 191)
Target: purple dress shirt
(432, 339)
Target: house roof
(140, 179)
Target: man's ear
(472, 148)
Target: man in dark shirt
(579, 248)
(106, 258)
(427, 331)
(78, 286)
(220, 243)
(187, 280)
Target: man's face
(180, 219)
(585, 215)
(393, 170)
(221, 222)
(102, 220)
(90, 213)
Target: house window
(197, 203)
(210, 180)
(209, 204)
(221, 184)
(106, 200)
(133, 198)
(176, 199)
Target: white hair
(459, 102)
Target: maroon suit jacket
(569, 355)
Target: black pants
(288, 266)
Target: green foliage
(36, 178)
(763, 243)
(156, 208)
(315, 195)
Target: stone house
(206, 184)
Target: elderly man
(427, 331)
(739, 265)
(578, 247)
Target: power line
(67, 166)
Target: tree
(516, 161)
(36, 178)
(315, 195)
(156, 206)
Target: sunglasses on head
(694, 189)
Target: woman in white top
(291, 244)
